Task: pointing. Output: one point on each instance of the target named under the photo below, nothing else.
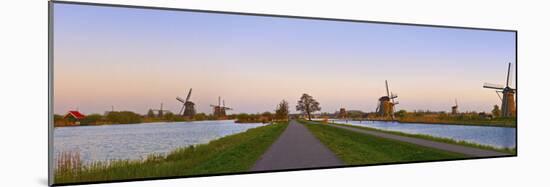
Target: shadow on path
(296, 148)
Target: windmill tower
(219, 110)
(508, 107)
(454, 109)
(188, 107)
(386, 104)
(160, 111)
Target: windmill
(219, 110)
(508, 107)
(224, 108)
(160, 111)
(454, 109)
(188, 107)
(386, 104)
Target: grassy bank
(437, 139)
(497, 122)
(359, 149)
(234, 153)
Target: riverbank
(438, 139)
(233, 153)
(154, 123)
(498, 122)
(359, 149)
(493, 122)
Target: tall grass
(234, 153)
(68, 163)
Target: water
(500, 137)
(136, 141)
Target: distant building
(74, 117)
(342, 114)
(454, 110)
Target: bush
(91, 119)
(123, 117)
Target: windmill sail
(189, 95)
(493, 86)
(508, 76)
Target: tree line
(306, 104)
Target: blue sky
(136, 58)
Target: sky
(135, 59)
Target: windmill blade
(499, 95)
(456, 103)
(181, 111)
(224, 107)
(393, 95)
(180, 99)
(493, 86)
(508, 74)
(377, 106)
(387, 89)
(188, 95)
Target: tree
(355, 114)
(150, 114)
(282, 110)
(401, 113)
(91, 119)
(169, 116)
(307, 105)
(123, 117)
(496, 111)
(200, 116)
(243, 117)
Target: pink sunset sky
(134, 59)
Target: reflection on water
(136, 141)
(493, 136)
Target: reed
(68, 163)
(234, 153)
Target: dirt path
(470, 151)
(296, 148)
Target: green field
(359, 149)
(438, 139)
(234, 153)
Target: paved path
(475, 152)
(296, 148)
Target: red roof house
(74, 117)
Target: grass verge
(498, 122)
(234, 153)
(437, 139)
(358, 149)
(448, 120)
